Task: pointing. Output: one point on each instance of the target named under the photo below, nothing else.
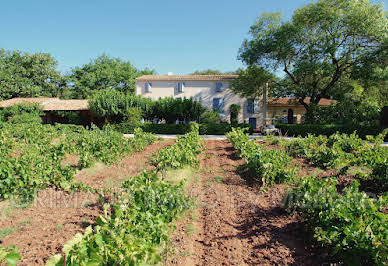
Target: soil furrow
(236, 224)
(41, 229)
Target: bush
(267, 166)
(113, 105)
(178, 129)
(210, 116)
(136, 229)
(21, 113)
(133, 115)
(234, 112)
(327, 130)
(183, 152)
(346, 112)
(350, 224)
(220, 129)
(25, 118)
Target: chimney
(170, 73)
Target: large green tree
(211, 72)
(102, 73)
(252, 81)
(326, 45)
(29, 75)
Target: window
(148, 87)
(218, 104)
(253, 106)
(250, 106)
(181, 86)
(256, 106)
(219, 87)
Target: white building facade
(213, 91)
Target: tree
(234, 112)
(113, 105)
(252, 81)
(321, 48)
(210, 72)
(102, 73)
(28, 75)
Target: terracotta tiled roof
(13, 101)
(186, 77)
(294, 102)
(66, 105)
(50, 104)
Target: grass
(7, 231)
(98, 166)
(8, 206)
(59, 227)
(176, 175)
(219, 179)
(190, 229)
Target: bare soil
(235, 223)
(111, 176)
(41, 229)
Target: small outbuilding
(51, 106)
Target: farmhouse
(214, 93)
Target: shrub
(210, 117)
(234, 112)
(25, 118)
(31, 155)
(267, 166)
(350, 224)
(183, 152)
(133, 115)
(179, 129)
(327, 130)
(345, 112)
(19, 109)
(114, 105)
(136, 229)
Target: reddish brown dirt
(111, 176)
(41, 230)
(236, 224)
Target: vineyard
(350, 223)
(307, 201)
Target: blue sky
(179, 36)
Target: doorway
(290, 116)
(252, 122)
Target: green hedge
(327, 130)
(179, 129)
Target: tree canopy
(252, 81)
(210, 72)
(326, 46)
(102, 73)
(29, 75)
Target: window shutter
(250, 106)
(221, 106)
(181, 87)
(148, 87)
(219, 87)
(255, 106)
(216, 103)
